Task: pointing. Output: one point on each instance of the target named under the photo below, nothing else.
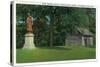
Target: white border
(53, 4)
(14, 32)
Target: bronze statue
(29, 24)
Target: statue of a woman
(29, 24)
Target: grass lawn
(54, 54)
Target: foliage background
(51, 24)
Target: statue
(29, 36)
(29, 24)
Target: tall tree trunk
(51, 35)
(51, 31)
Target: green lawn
(54, 54)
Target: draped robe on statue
(29, 24)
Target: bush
(20, 41)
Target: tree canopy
(51, 24)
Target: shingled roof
(84, 31)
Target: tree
(52, 24)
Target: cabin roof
(84, 31)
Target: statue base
(29, 41)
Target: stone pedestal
(29, 41)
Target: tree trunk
(52, 30)
(51, 36)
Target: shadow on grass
(55, 48)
